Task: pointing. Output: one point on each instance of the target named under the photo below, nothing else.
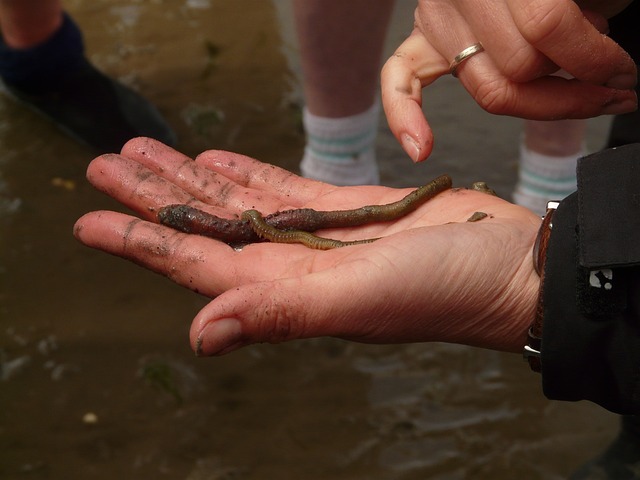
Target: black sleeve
(624, 30)
(591, 335)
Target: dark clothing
(623, 28)
(591, 335)
(45, 64)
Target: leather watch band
(534, 335)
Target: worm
(192, 220)
(288, 225)
(267, 232)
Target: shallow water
(96, 376)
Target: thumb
(318, 304)
(413, 66)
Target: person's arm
(591, 328)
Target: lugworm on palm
(295, 222)
(267, 232)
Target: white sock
(542, 178)
(341, 151)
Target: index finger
(413, 66)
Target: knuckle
(493, 96)
(391, 65)
(275, 322)
(542, 19)
(525, 64)
(178, 260)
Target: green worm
(390, 211)
(267, 232)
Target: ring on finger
(465, 54)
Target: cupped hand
(525, 42)
(431, 277)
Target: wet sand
(96, 376)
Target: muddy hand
(426, 279)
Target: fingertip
(621, 106)
(408, 124)
(214, 332)
(412, 130)
(623, 81)
(88, 227)
(143, 145)
(78, 227)
(101, 165)
(417, 150)
(153, 154)
(223, 160)
(218, 337)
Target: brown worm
(293, 222)
(191, 220)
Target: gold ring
(464, 55)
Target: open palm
(431, 277)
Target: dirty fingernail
(411, 146)
(218, 337)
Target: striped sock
(341, 151)
(542, 178)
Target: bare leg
(25, 23)
(341, 45)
